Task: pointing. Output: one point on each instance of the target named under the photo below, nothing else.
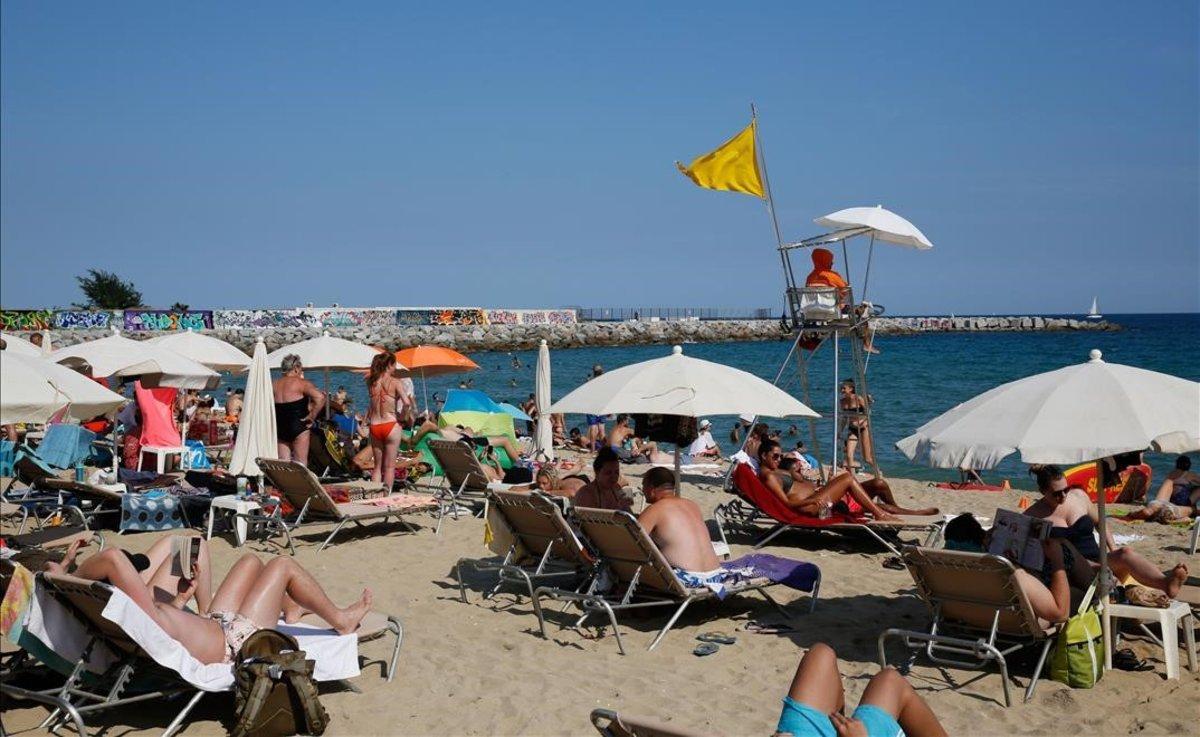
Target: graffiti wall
(256, 319)
(27, 319)
(167, 320)
(308, 317)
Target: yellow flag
(733, 167)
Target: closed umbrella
(33, 389)
(204, 349)
(257, 436)
(119, 356)
(684, 386)
(545, 430)
(326, 352)
(432, 360)
(1085, 412)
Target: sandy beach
(481, 668)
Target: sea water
(912, 380)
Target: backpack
(274, 689)
(1078, 656)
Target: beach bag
(274, 689)
(1078, 656)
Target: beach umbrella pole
(327, 393)
(1102, 587)
(836, 403)
(677, 473)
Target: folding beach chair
(464, 479)
(46, 495)
(612, 724)
(980, 613)
(540, 533)
(643, 576)
(1195, 536)
(755, 503)
(301, 488)
(125, 658)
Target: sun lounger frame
(316, 506)
(574, 565)
(639, 594)
(1195, 536)
(463, 479)
(611, 723)
(965, 645)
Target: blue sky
(513, 154)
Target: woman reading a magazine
(1075, 519)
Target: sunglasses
(775, 455)
(1058, 492)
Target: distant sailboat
(1094, 313)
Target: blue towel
(791, 573)
(65, 445)
(197, 458)
(7, 450)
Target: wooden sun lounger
(304, 491)
(755, 503)
(980, 613)
(539, 531)
(644, 576)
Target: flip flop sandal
(717, 637)
(893, 563)
(1126, 659)
(706, 648)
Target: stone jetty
(505, 337)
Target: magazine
(1019, 538)
(186, 550)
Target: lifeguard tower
(825, 315)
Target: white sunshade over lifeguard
(884, 225)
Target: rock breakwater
(523, 337)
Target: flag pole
(762, 163)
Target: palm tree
(179, 307)
(105, 290)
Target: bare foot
(886, 517)
(292, 612)
(352, 615)
(1175, 580)
(69, 558)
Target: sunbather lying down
(548, 481)
(467, 434)
(815, 705)
(253, 596)
(805, 497)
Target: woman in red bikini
(386, 394)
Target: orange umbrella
(432, 360)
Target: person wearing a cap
(704, 446)
(743, 424)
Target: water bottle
(242, 490)
(826, 511)
(80, 476)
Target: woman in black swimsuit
(297, 403)
(1074, 518)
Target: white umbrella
(117, 355)
(1080, 413)
(327, 352)
(883, 225)
(17, 344)
(1073, 415)
(204, 349)
(257, 436)
(33, 389)
(681, 385)
(545, 430)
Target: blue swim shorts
(801, 720)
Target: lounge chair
(611, 724)
(463, 476)
(125, 658)
(540, 532)
(980, 613)
(301, 488)
(756, 503)
(1195, 536)
(643, 576)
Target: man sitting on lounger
(676, 526)
(804, 496)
